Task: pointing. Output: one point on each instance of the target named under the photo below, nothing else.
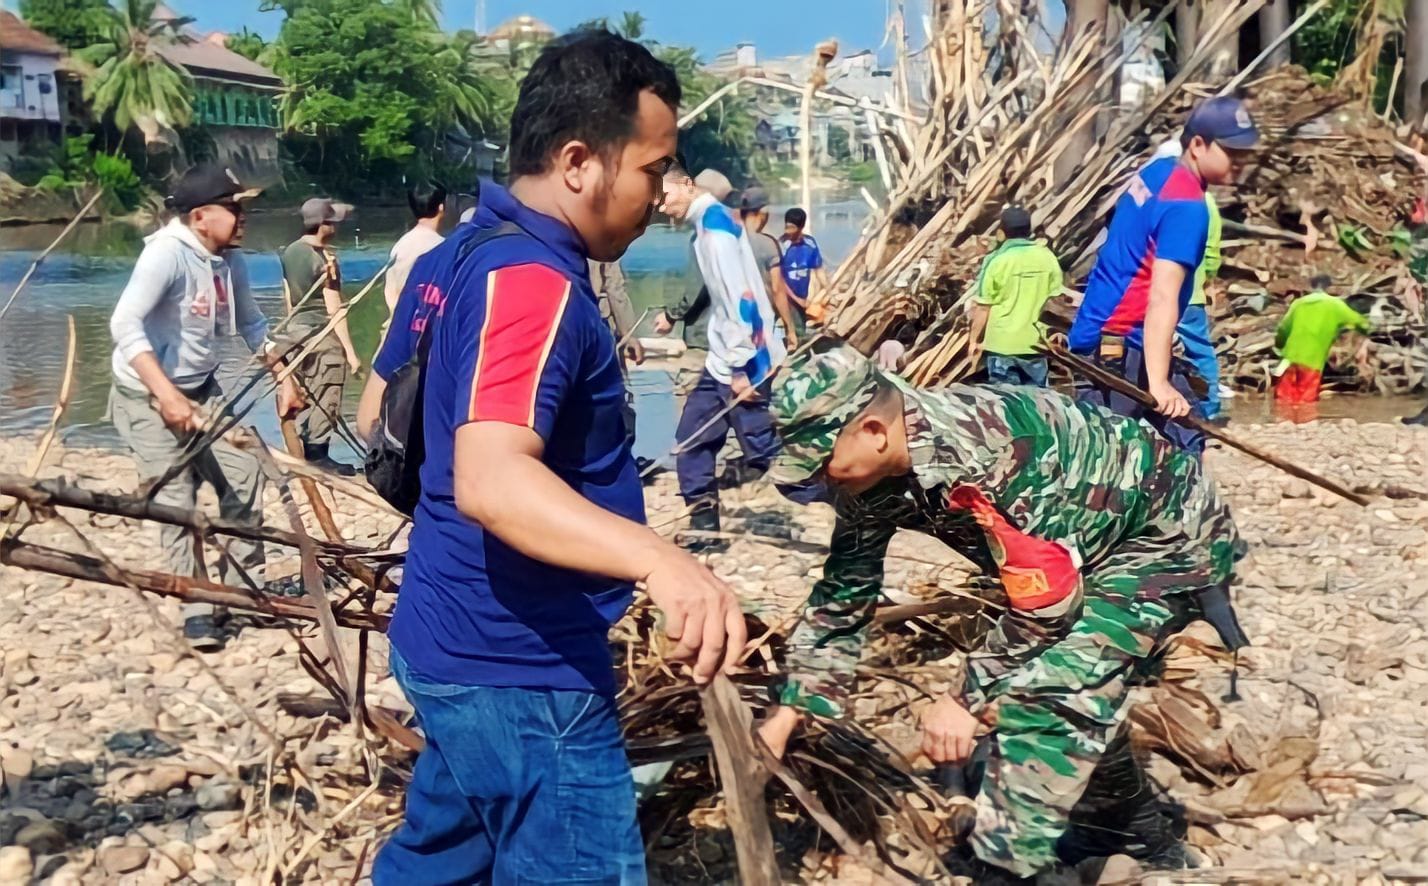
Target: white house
(30, 103)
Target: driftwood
(192, 590)
(742, 778)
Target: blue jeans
(514, 786)
(749, 421)
(1194, 333)
(1005, 370)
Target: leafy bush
(76, 166)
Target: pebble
(16, 867)
(219, 796)
(118, 860)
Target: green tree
(373, 90)
(421, 10)
(74, 24)
(723, 136)
(632, 25)
(134, 84)
(248, 44)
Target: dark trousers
(1131, 367)
(749, 421)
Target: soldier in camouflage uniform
(1103, 534)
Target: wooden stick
(742, 778)
(1121, 386)
(34, 266)
(50, 493)
(193, 590)
(1269, 50)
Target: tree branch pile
(1328, 192)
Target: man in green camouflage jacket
(1104, 536)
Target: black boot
(1419, 419)
(317, 456)
(1121, 814)
(739, 472)
(702, 536)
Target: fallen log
(39, 558)
(52, 494)
(1100, 376)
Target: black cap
(1016, 221)
(206, 184)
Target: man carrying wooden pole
(1145, 273)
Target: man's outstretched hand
(949, 732)
(701, 614)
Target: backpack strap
(504, 229)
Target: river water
(84, 276)
(83, 279)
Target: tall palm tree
(133, 82)
(471, 95)
(422, 10)
(632, 25)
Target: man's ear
(571, 161)
(878, 428)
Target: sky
(777, 27)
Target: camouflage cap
(811, 402)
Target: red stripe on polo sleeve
(524, 307)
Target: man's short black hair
(426, 198)
(584, 86)
(796, 217)
(1016, 222)
(1321, 281)
(311, 230)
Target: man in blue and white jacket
(188, 291)
(745, 347)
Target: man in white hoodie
(189, 289)
(745, 347)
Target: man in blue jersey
(802, 262)
(1145, 272)
(529, 535)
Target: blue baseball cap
(1225, 120)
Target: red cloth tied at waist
(1035, 573)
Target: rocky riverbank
(125, 760)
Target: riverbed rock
(118, 860)
(16, 867)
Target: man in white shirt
(745, 348)
(428, 204)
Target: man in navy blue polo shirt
(529, 535)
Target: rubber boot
(317, 456)
(1419, 419)
(703, 528)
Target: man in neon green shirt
(1304, 338)
(1194, 327)
(1014, 283)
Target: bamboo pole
(67, 564)
(1121, 386)
(34, 266)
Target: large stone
(118, 860)
(40, 837)
(16, 868)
